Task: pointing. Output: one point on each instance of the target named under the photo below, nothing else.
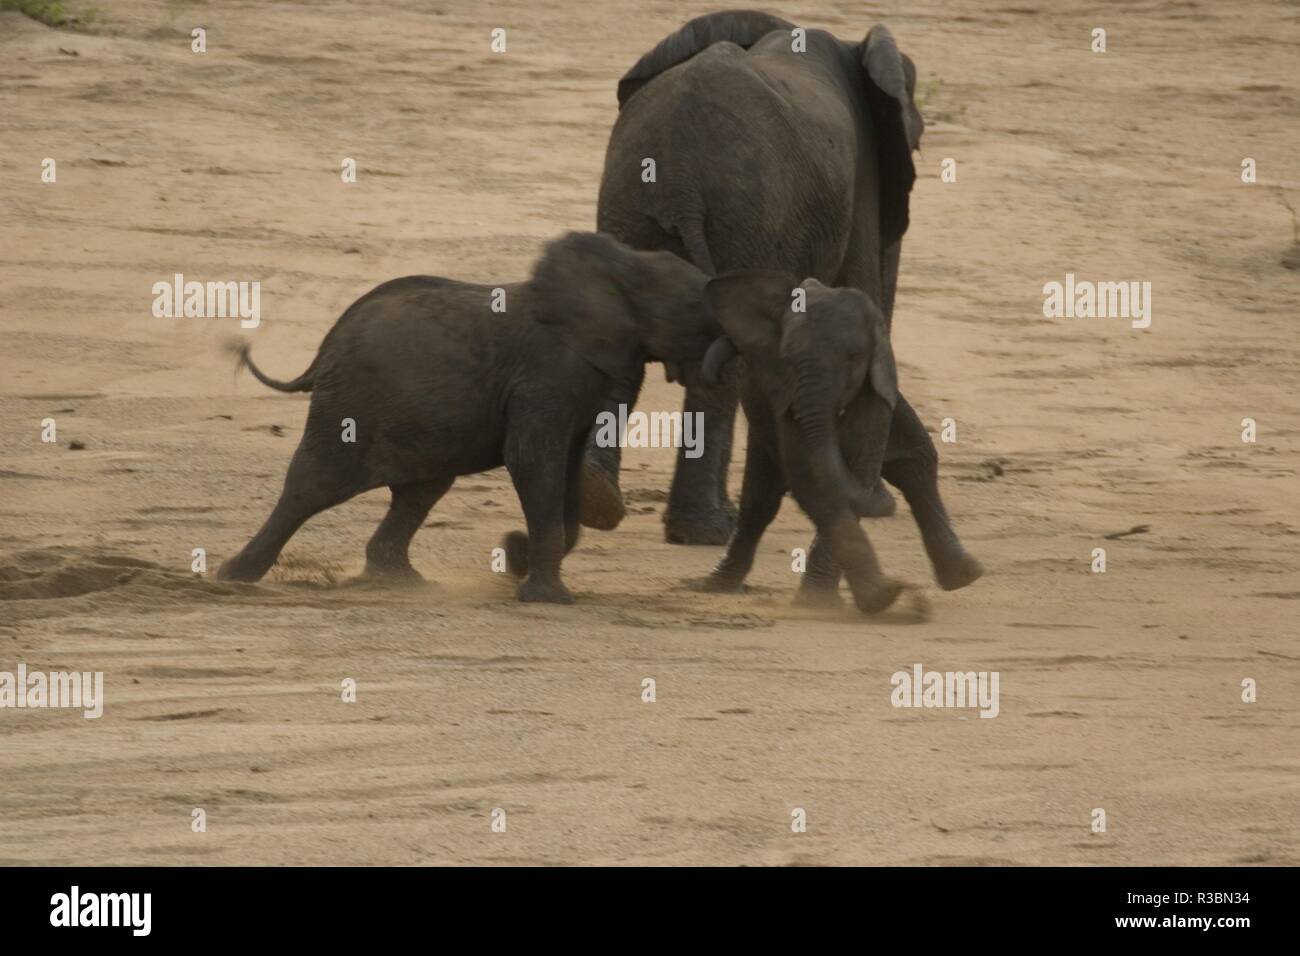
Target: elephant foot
(879, 504)
(515, 545)
(958, 570)
(236, 569)
(877, 596)
(712, 527)
(545, 592)
(602, 505)
(394, 574)
(717, 583)
(818, 597)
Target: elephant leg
(912, 466)
(821, 580)
(387, 553)
(573, 496)
(539, 470)
(516, 542)
(602, 504)
(310, 486)
(880, 504)
(698, 510)
(760, 500)
(839, 532)
(852, 550)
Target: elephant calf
(819, 389)
(436, 384)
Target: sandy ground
(1119, 691)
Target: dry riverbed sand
(1120, 691)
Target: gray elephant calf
(439, 385)
(819, 390)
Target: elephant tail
(697, 247)
(244, 359)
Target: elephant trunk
(722, 351)
(815, 413)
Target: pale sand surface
(1119, 691)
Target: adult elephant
(743, 143)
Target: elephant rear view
(771, 148)
(744, 142)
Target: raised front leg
(912, 466)
(516, 542)
(539, 466)
(602, 504)
(760, 500)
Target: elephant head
(814, 351)
(619, 308)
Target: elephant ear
(741, 27)
(891, 83)
(750, 306)
(578, 289)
